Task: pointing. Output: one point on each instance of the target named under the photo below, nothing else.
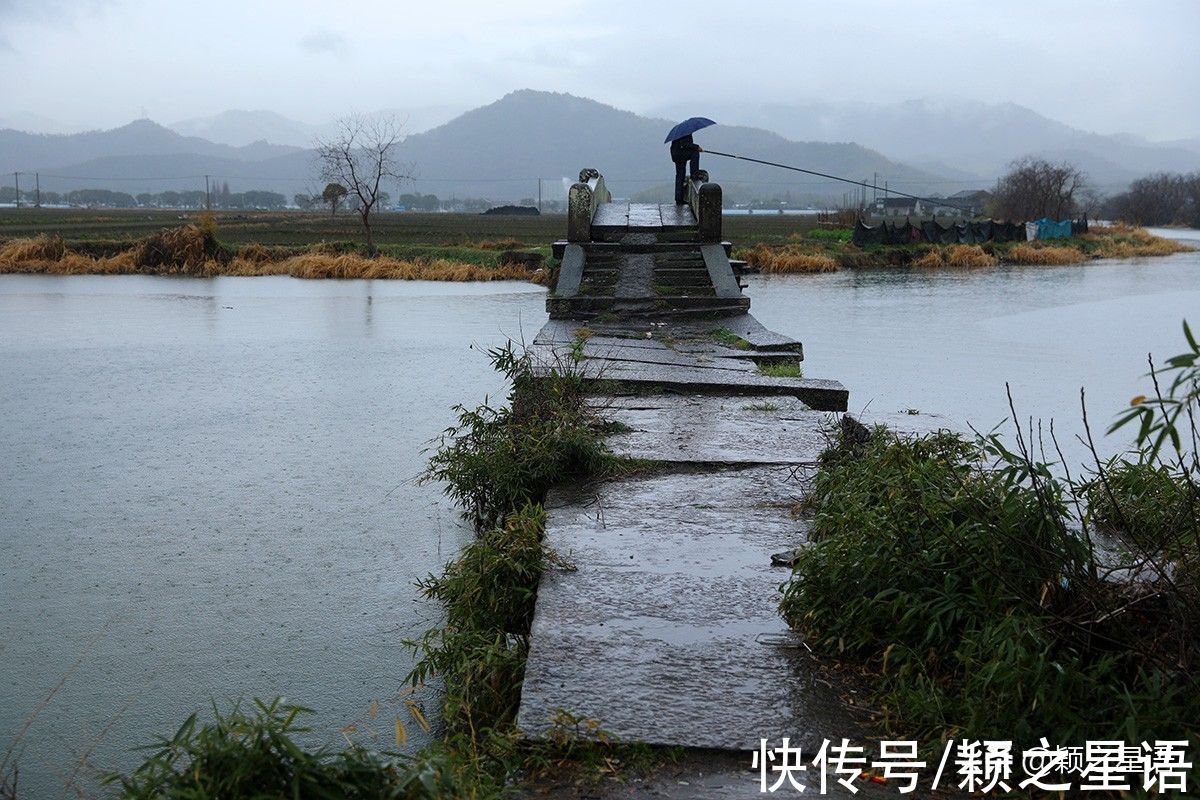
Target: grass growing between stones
(781, 369)
(966, 577)
(730, 339)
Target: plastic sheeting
(1049, 229)
(976, 232)
(933, 232)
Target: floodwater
(206, 485)
(206, 493)
(947, 341)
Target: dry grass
(930, 259)
(40, 248)
(256, 253)
(1049, 256)
(500, 244)
(352, 266)
(787, 260)
(970, 255)
(957, 255)
(193, 250)
(1124, 241)
(181, 249)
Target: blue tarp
(1049, 229)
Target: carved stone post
(582, 201)
(708, 212)
(579, 213)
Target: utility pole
(875, 188)
(37, 182)
(539, 195)
(17, 185)
(207, 195)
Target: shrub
(495, 460)
(489, 597)
(960, 582)
(1150, 503)
(240, 755)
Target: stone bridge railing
(590, 193)
(705, 201)
(582, 201)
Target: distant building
(967, 203)
(897, 207)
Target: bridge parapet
(584, 198)
(705, 200)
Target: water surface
(206, 487)
(947, 341)
(207, 492)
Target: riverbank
(194, 250)
(824, 250)
(455, 250)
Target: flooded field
(207, 487)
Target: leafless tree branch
(358, 157)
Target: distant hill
(239, 128)
(957, 136)
(34, 123)
(27, 152)
(501, 149)
(498, 151)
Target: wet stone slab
(667, 631)
(714, 429)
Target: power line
(863, 184)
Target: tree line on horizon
(1032, 189)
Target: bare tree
(1160, 199)
(1035, 188)
(359, 156)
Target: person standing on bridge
(684, 151)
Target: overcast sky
(1102, 66)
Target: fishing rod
(933, 200)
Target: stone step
(591, 305)
(559, 247)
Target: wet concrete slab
(644, 216)
(667, 631)
(636, 276)
(611, 215)
(679, 216)
(708, 429)
(683, 356)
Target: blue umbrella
(688, 127)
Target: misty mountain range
(965, 138)
(500, 150)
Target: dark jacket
(683, 149)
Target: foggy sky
(1102, 66)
